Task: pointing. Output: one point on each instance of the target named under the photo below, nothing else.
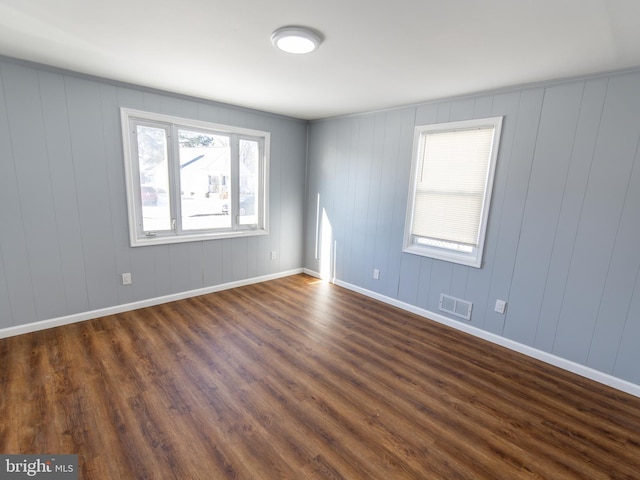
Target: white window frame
(451, 251)
(137, 236)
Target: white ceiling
(376, 54)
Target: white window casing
(189, 180)
(452, 172)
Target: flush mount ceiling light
(297, 40)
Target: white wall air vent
(455, 306)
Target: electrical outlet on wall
(376, 274)
(501, 306)
(126, 279)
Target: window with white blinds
(452, 176)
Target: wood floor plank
(298, 379)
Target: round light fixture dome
(296, 40)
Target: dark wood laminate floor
(298, 379)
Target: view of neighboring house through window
(452, 176)
(191, 180)
(205, 170)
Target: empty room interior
(342, 240)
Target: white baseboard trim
(549, 358)
(81, 317)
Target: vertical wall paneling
(180, 267)
(607, 187)
(62, 191)
(12, 244)
(35, 195)
(277, 196)
(227, 260)
(255, 263)
(311, 203)
(170, 105)
(626, 364)
(61, 170)
(196, 273)
(570, 210)
(483, 106)
(462, 109)
(384, 243)
(208, 113)
(561, 243)
(323, 203)
(360, 153)
(143, 271)
(372, 208)
(240, 255)
(349, 247)
(439, 282)
(189, 109)
(424, 282)
(621, 278)
(562, 234)
(6, 318)
(116, 184)
(212, 263)
(292, 196)
(540, 216)
(409, 281)
(517, 179)
(402, 167)
(333, 206)
(360, 194)
(7, 175)
(88, 150)
(164, 269)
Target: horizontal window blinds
(450, 186)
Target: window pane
(452, 172)
(154, 178)
(450, 188)
(452, 217)
(249, 182)
(187, 179)
(205, 172)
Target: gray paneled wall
(63, 218)
(563, 240)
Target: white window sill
(196, 237)
(461, 258)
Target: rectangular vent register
(455, 306)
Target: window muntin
(452, 176)
(189, 180)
